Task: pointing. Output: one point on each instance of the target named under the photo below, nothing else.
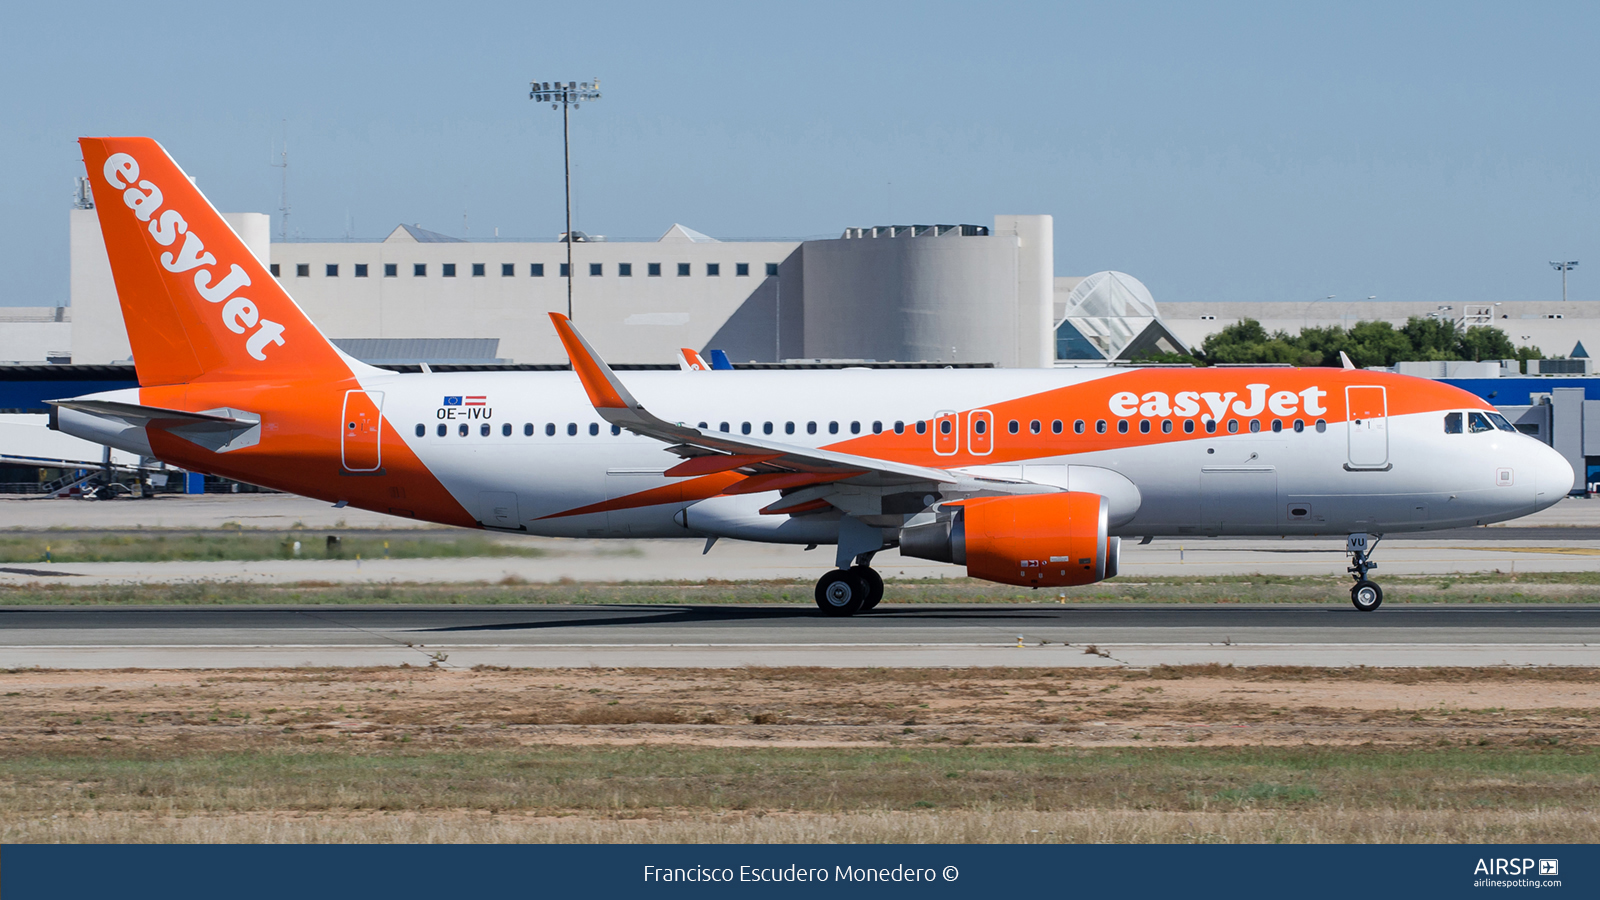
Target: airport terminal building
(951, 294)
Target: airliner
(1026, 477)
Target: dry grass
(1203, 753)
(1558, 825)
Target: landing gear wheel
(874, 582)
(1366, 596)
(841, 592)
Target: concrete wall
(935, 298)
(1036, 276)
(944, 298)
(634, 319)
(35, 334)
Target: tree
(1366, 343)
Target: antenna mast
(283, 196)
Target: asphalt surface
(673, 635)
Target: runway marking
(1569, 551)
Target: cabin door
(361, 431)
(1367, 414)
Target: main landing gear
(1365, 594)
(845, 592)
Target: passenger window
(1255, 426)
(1322, 425)
(877, 427)
(1452, 423)
(944, 426)
(464, 429)
(549, 429)
(1077, 427)
(922, 428)
(899, 428)
(572, 429)
(443, 429)
(1211, 426)
(1233, 426)
(1035, 427)
(1166, 426)
(1277, 425)
(788, 428)
(1299, 425)
(1122, 426)
(1012, 426)
(594, 429)
(483, 429)
(505, 430)
(745, 428)
(766, 427)
(1188, 426)
(1502, 423)
(1144, 426)
(855, 427)
(1100, 426)
(980, 426)
(702, 426)
(527, 430)
(1478, 422)
(723, 428)
(1055, 426)
(833, 427)
(811, 428)
(616, 430)
(421, 429)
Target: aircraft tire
(1366, 596)
(874, 582)
(841, 592)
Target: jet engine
(1032, 540)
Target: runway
(1050, 635)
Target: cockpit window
(1452, 423)
(1501, 422)
(1478, 422)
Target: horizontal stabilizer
(135, 414)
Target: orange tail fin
(198, 305)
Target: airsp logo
(1501, 866)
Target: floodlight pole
(566, 96)
(1564, 268)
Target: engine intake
(1031, 540)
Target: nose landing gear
(1365, 595)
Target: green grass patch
(246, 546)
(632, 779)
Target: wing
(806, 474)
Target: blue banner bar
(180, 872)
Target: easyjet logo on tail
(1260, 398)
(239, 314)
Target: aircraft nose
(1552, 475)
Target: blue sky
(1428, 152)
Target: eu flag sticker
(452, 401)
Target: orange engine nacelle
(1032, 540)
